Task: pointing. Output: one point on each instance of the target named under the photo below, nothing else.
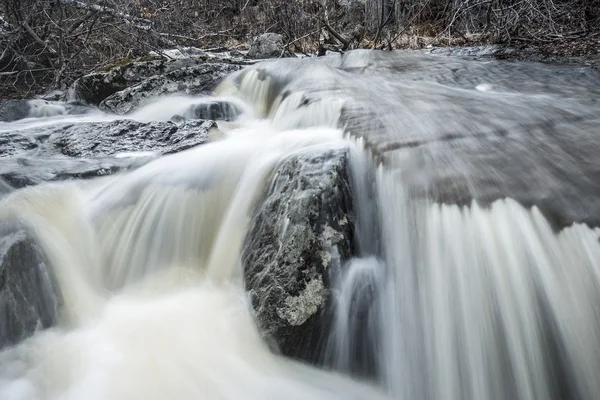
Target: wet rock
(12, 110)
(115, 138)
(97, 86)
(29, 298)
(303, 226)
(23, 171)
(200, 79)
(16, 142)
(215, 110)
(267, 45)
(92, 149)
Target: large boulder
(304, 225)
(29, 296)
(200, 79)
(267, 45)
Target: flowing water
(477, 266)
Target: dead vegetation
(46, 44)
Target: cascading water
(459, 288)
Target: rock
(214, 110)
(97, 86)
(303, 226)
(92, 149)
(200, 79)
(267, 45)
(16, 142)
(23, 171)
(12, 110)
(115, 138)
(29, 298)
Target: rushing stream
(476, 265)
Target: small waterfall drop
(465, 283)
(148, 268)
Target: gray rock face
(97, 86)
(303, 226)
(12, 110)
(267, 45)
(29, 299)
(90, 149)
(200, 79)
(21, 171)
(100, 139)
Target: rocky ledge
(124, 86)
(90, 149)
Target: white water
(470, 302)
(148, 266)
(441, 302)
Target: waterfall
(148, 269)
(471, 302)
(464, 281)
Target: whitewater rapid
(148, 268)
(466, 283)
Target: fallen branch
(36, 38)
(336, 35)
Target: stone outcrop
(195, 80)
(21, 171)
(29, 299)
(100, 139)
(214, 110)
(12, 110)
(267, 45)
(97, 86)
(91, 149)
(304, 225)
